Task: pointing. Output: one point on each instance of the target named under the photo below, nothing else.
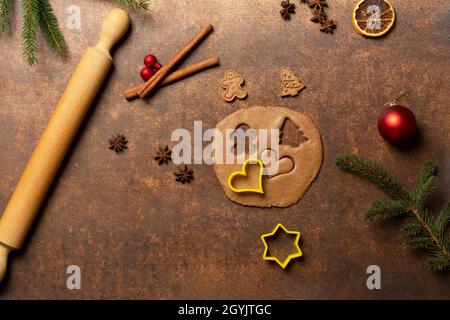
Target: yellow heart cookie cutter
(244, 173)
(289, 257)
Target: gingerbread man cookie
(290, 83)
(232, 86)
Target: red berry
(147, 73)
(157, 66)
(150, 60)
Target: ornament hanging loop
(394, 102)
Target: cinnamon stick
(131, 93)
(162, 73)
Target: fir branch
(426, 182)
(422, 193)
(442, 222)
(374, 173)
(422, 229)
(5, 14)
(134, 4)
(420, 242)
(429, 170)
(386, 209)
(30, 19)
(438, 262)
(440, 244)
(412, 228)
(50, 29)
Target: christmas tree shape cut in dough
(291, 135)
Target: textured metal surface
(136, 233)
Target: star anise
(118, 143)
(317, 4)
(328, 26)
(318, 16)
(163, 155)
(287, 9)
(184, 174)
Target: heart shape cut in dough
(285, 164)
(244, 173)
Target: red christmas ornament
(150, 60)
(397, 124)
(147, 73)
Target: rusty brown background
(137, 234)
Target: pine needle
(422, 229)
(443, 219)
(429, 170)
(421, 193)
(374, 173)
(5, 14)
(30, 18)
(412, 228)
(438, 262)
(386, 209)
(134, 4)
(441, 224)
(50, 29)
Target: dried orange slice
(373, 18)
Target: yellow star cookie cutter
(289, 257)
(243, 173)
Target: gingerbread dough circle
(299, 162)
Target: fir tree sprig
(422, 229)
(134, 4)
(50, 29)
(29, 33)
(5, 14)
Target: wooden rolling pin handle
(115, 26)
(54, 143)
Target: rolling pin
(62, 128)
